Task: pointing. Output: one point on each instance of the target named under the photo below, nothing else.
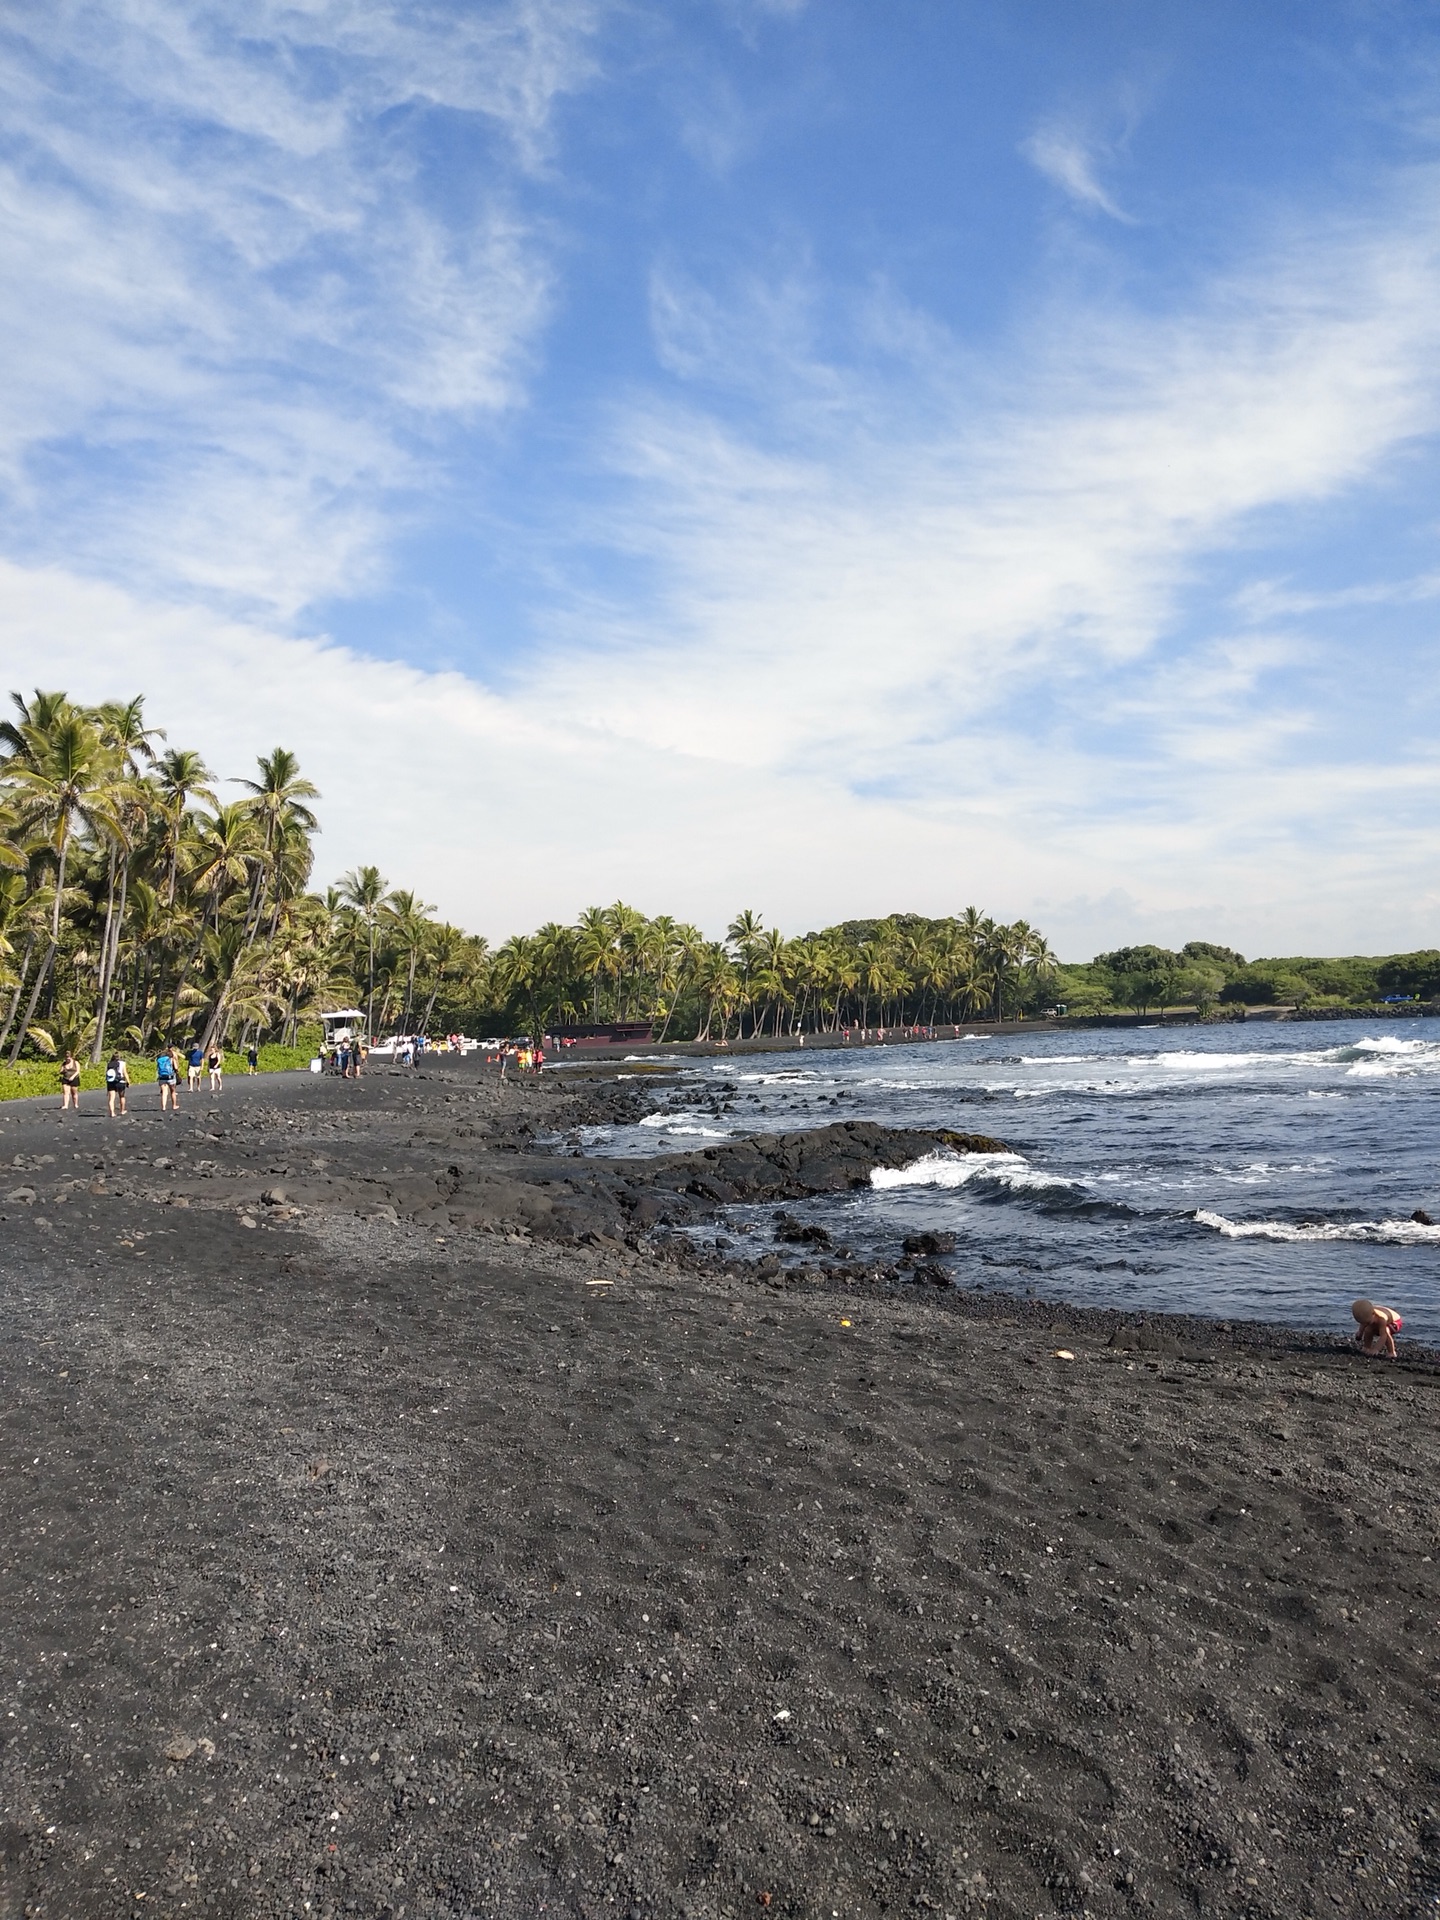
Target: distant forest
(1146, 979)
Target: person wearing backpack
(117, 1082)
(168, 1075)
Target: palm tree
(122, 726)
(181, 778)
(120, 823)
(278, 803)
(226, 849)
(58, 772)
(366, 890)
(595, 952)
(406, 917)
(444, 948)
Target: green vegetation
(30, 1077)
(614, 965)
(136, 907)
(1203, 976)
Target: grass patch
(30, 1079)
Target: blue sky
(820, 456)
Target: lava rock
(930, 1243)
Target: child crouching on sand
(1375, 1327)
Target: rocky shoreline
(398, 1524)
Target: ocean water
(1260, 1172)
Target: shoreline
(385, 1565)
(512, 1180)
(979, 1030)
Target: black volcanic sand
(392, 1566)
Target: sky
(821, 456)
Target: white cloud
(226, 281)
(1069, 160)
(909, 634)
(854, 581)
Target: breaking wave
(686, 1123)
(997, 1175)
(1380, 1233)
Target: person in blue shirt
(168, 1075)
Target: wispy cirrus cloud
(1069, 159)
(969, 593)
(1042, 517)
(236, 306)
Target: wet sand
(436, 1546)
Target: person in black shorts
(117, 1084)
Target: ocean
(1264, 1172)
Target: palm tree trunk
(15, 997)
(370, 990)
(111, 960)
(24, 1028)
(102, 983)
(430, 1003)
(52, 949)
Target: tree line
(614, 964)
(1208, 977)
(137, 906)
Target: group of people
(196, 1061)
(346, 1060)
(525, 1059)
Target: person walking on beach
(216, 1064)
(195, 1060)
(69, 1082)
(167, 1074)
(252, 1058)
(117, 1081)
(1375, 1327)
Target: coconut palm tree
(279, 804)
(366, 890)
(181, 779)
(57, 772)
(406, 922)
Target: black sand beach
(422, 1541)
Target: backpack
(113, 1077)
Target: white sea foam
(688, 1123)
(944, 1169)
(1385, 1233)
(1386, 1057)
